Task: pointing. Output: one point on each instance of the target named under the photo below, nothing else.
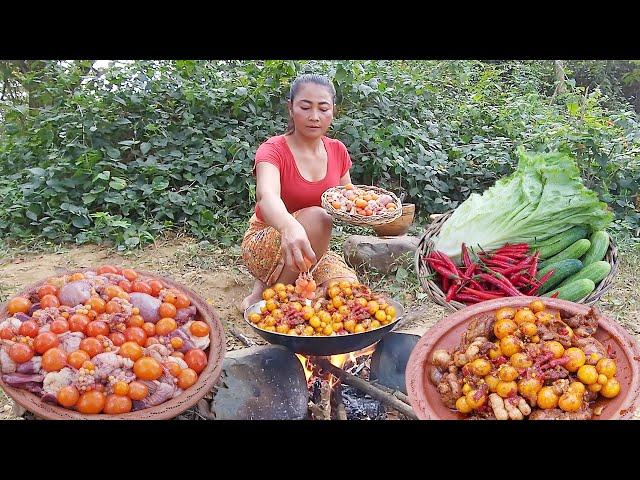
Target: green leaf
(118, 184)
(145, 147)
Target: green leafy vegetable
(543, 197)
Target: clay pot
(400, 225)
(447, 333)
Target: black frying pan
(321, 345)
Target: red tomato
(20, 352)
(92, 346)
(29, 328)
(125, 285)
(187, 378)
(165, 326)
(199, 329)
(138, 390)
(68, 396)
(196, 359)
(7, 333)
(121, 388)
(149, 328)
(97, 304)
(59, 326)
(47, 289)
(156, 286)
(44, 341)
(129, 274)
(147, 368)
(18, 304)
(53, 360)
(78, 322)
(113, 307)
(167, 310)
(106, 269)
(91, 402)
(135, 334)
(49, 301)
(142, 287)
(182, 301)
(135, 321)
(96, 328)
(117, 338)
(77, 358)
(131, 350)
(115, 404)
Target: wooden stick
(242, 337)
(341, 412)
(396, 393)
(366, 387)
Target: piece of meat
(20, 379)
(106, 363)
(450, 389)
(585, 325)
(70, 341)
(556, 373)
(6, 364)
(147, 304)
(185, 315)
(75, 293)
(157, 351)
(54, 381)
(590, 345)
(477, 328)
(187, 344)
(555, 330)
(585, 413)
(32, 366)
(159, 392)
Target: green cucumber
(562, 270)
(556, 244)
(599, 246)
(595, 272)
(574, 291)
(576, 250)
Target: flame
(304, 361)
(337, 360)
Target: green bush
(156, 146)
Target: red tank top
(296, 191)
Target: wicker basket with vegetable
(539, 231)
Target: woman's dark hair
(308, 78)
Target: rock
(389, 361)
(378, 253)
(261, 383)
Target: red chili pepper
(555, 295)
(470, 269)
(534, 264)
(546, 277)
(479, 294)
(450, 293)
(442, 270)
(468, 299)
(466, 259)
(513, 247)
(502, 258)
(502, 283)
(452, 266)
(498, 263)
(445, 283)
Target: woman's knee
(315, 217)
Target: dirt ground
(220, 278)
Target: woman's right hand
(296, 246)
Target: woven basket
(361, 220)
(167, 410)
(426, 275)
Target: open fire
(327, 394)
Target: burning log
(366, 387)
